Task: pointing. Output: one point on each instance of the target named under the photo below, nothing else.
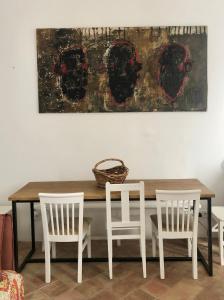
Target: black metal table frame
(208, 265)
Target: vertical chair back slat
(178, 215)
(57, 221)
(167, 217)
(172, 215)
(188, 215)
(183, 215)
(52, 219)
(67, 216)
(73, 219)
(62, 220)
(125, 210)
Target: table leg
(19, 268)
(209, 216)
(32, 226)
(15, 235)
(208, 264)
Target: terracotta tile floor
(128, 282)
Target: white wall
(65, 146)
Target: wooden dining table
(29, 194)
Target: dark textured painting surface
(127, 69)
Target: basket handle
(104, 160)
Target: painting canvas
(124, 69)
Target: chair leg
(221, 242)
(89, 243)
(153, 245)
(47, 263)
(110, 253)
(53, 249)
(195, 259)
(79, 261)
(143, 255)
(140, 247)
(189, 246)
(161, 259)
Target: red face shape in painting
(174, 66)
(123, 66)
(73, 71)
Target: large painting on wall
(128, 69)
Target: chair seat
(155, 223)
(86, 223)
(218, 212)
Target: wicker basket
(115, 174)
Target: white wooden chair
(125, 228)
(189, 241)
(62, 218)
(173, 221)
(218, 213)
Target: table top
(30, 191)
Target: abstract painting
(124, 69)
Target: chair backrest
(59, 215)
(175, 206)
(125, 189)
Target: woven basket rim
(102, 175)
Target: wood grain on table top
(30, 191)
